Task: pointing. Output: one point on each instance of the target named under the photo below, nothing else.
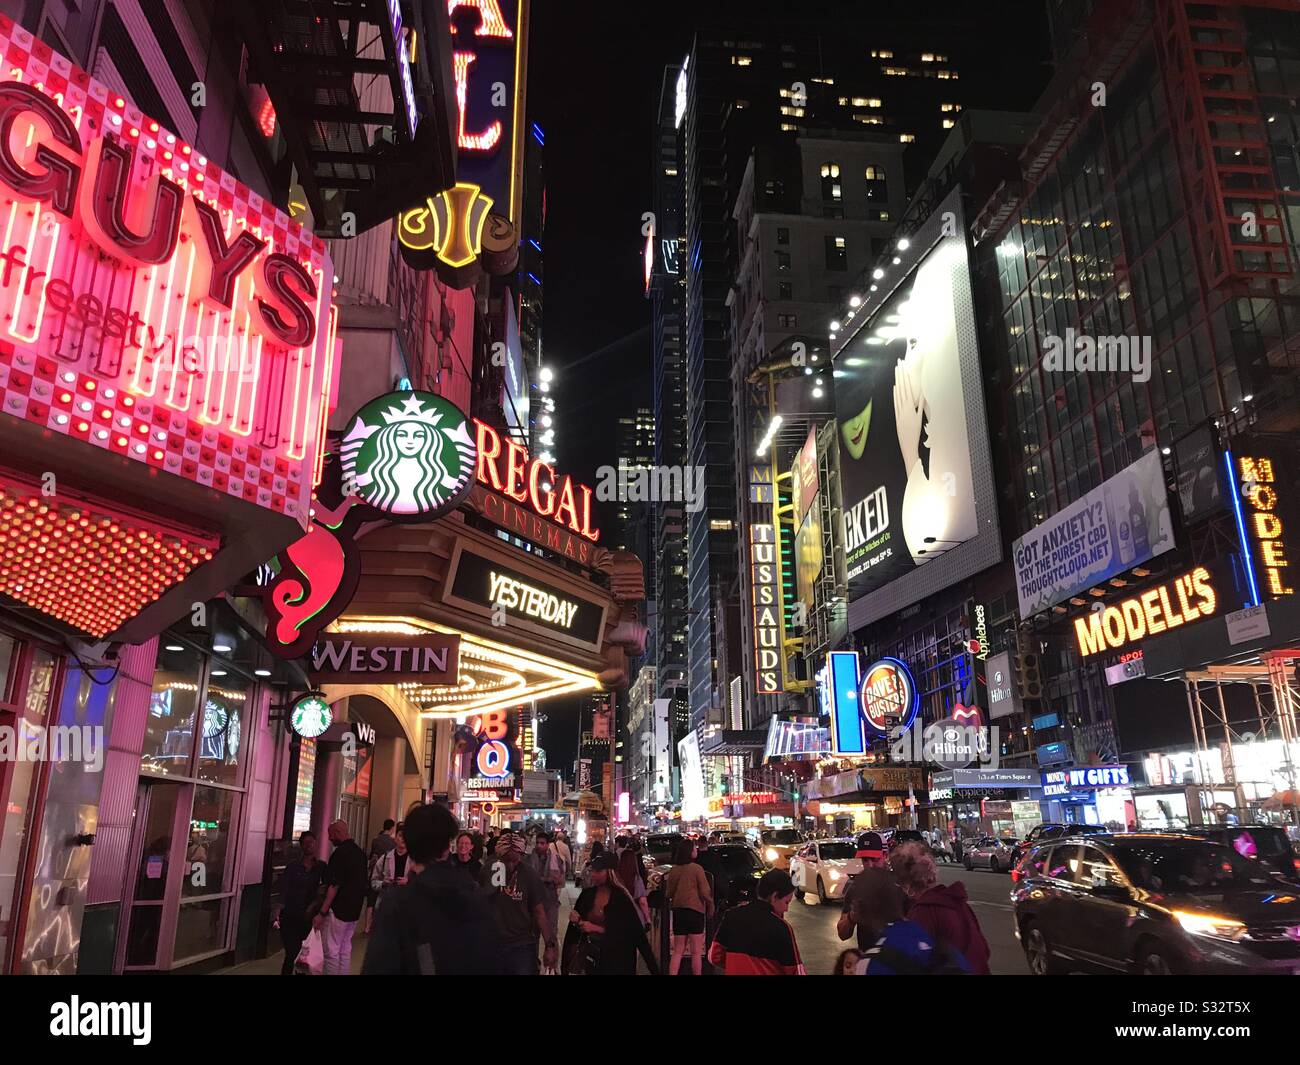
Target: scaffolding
(1275, 691)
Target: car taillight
(1015, 876)
(1296, 863)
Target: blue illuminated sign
(847, 736)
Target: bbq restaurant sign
(386, 658)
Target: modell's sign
(152, 305)
(1181, 601)
(383, 658)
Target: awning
(733, 741)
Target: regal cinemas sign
(152, 306)
(1181, 601)
(528, 497)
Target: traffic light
(1028, 668)
(726, 783)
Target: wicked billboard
(912, 438)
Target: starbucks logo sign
(410, 455)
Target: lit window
(787, 127)
(948, 123)
(742, 60)
(927, 57)
(875, 173)
(906, 138)
(720, 524)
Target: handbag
(311, 958)
(586, 958)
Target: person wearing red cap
(859, 912)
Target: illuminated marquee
(488, 64)
(767, 608)
(504, 466)
(1267, 531)
(472, 227)
(513, 594)
(1187, 598)
(150, 305)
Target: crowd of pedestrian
(436, 899)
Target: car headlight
(1209, 924)
(835, 874)
(771, 854)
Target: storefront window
(208, 853)
(169, 734)
(224, 720)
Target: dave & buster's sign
(152, 305)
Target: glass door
(157, 804)
(27, 685)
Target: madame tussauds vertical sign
(150, 304)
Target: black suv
(1268, 844)
(1154, 904)
(1050, 830)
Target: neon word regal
(151, 305)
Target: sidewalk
(271, 966)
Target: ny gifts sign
(150, 304)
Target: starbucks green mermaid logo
(409, 454)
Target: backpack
(944, 960)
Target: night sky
(593, 85)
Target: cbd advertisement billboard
(1120, 524)
(919, 506)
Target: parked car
(720, 836)
(1152, 904)
(777, 845)
(1268, 844)
(824, 867)
(1050, 830)
(997, 854)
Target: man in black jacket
(439, 922)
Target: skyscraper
(746, 92)
(666, 289)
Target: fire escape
(363, 97)
(1235, 207)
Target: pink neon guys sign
(150, 304)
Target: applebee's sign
(150, 304)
